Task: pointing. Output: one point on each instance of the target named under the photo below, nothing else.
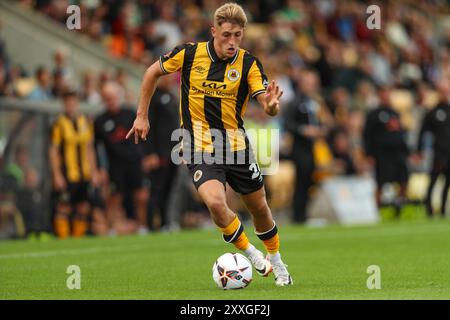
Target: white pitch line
(67, 252)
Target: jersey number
(255, 170)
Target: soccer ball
(232, 271)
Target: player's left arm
(267, 94)
(270, 100)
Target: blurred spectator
(61, 67)
(302, 121)
(5, 82)
(343, 163)
(340, 105)
(3, 52)
(365, 98)
(11, 221)
(124, 157)
(89, 92)
(386, 148)
(164, 119)
(73, 167)
(18, 167)
(30, 202)
(437, 122)
(121, 77)
(27, 193)
(42, 89)
(59, 84)
(166, 27)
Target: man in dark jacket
(301, 119)
(386, 148)
(437, 122)
(124, 157)
(164, 118)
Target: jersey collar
(213, 55)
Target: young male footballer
(217, 78)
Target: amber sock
(234, 233)
(270, 239)
(62, 227)
(79, 227)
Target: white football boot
(282, 276)
(262, 266)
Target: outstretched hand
(272, 98)
(140, 129)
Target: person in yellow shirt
(73, 167)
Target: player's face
(227, 39)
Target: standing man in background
(124, 157)
(386, 148)
(437, 122)
(301, 120)
(164, 118)
(73, 167)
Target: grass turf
(326, 263)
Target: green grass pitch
(326, 263)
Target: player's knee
(217, 206)
(259, 209)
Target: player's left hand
(272, 98)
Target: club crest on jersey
(233, 75)
(197, 175)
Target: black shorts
(388, 170)
(75, 193)
(243, 178)
(125, 176)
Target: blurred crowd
(338, 78)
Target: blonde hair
(230, 12)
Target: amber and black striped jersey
(73, 137)
(214, 93)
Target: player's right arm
(141, 125)
(171, 62)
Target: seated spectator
(19, 165)
(11, 221)
(42, 89)
(89, 92)
(30, 203)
